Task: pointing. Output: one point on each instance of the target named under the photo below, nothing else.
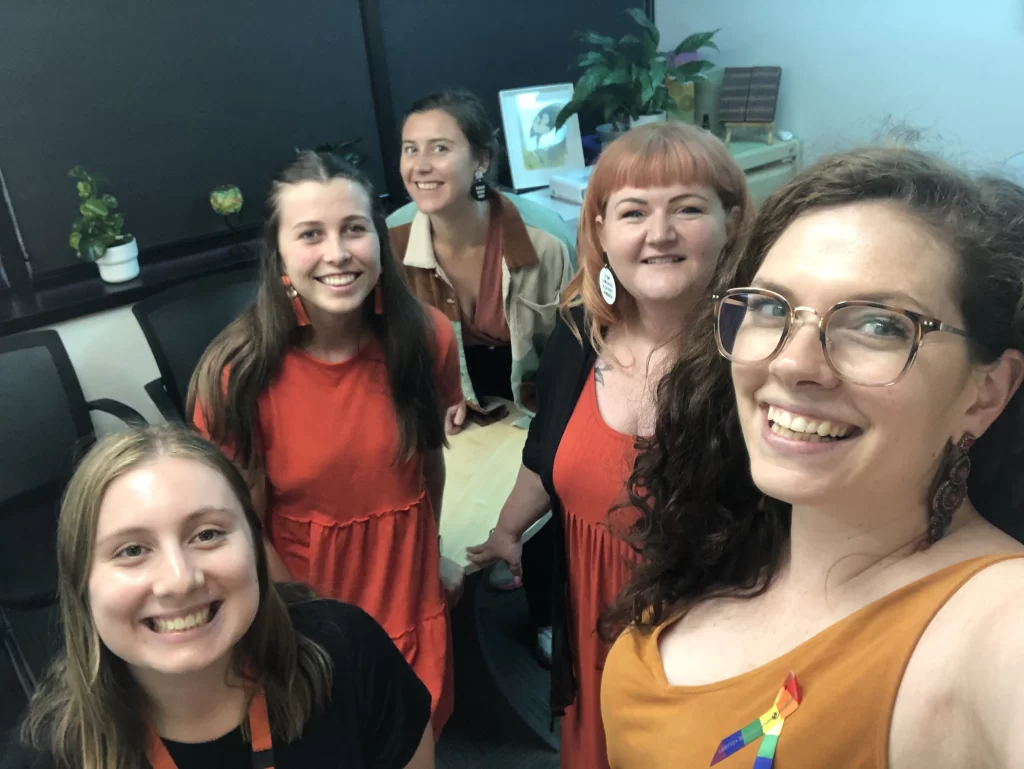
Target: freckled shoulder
(958, 669)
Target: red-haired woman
(663, 205)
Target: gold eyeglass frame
(922, 323)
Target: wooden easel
(769, 127)
(749, 98)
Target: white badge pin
(607, 282)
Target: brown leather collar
(519, 250)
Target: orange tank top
(849, 673)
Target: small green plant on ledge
(227, 201)
(99, 226)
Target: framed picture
(536, 149)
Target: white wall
(112, 360)
(953, 70)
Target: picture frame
(536, 150)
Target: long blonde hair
(652, 155)
(89, 712)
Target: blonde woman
(178, 650)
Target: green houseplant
(627, 79)
(97, 234)
(227, 201)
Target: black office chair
(45, 427)
(180, 323)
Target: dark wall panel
(488, 46)
(169, 99)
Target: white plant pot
(120, 263)
(657, 117)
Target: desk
(481, 463)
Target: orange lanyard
(259, 728)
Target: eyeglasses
(864, 343)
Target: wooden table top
(482, 463)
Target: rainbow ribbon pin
(768, 726)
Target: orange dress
(344, 516)
(592, 466)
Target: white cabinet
(767, 167)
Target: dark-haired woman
(330, 393)
(494, 264)
(854, 606)
(179, 651)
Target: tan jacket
(536, 266)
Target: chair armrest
(158, 394)
(125, 413)
(22, 670)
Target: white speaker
(706, 92)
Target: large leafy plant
(99, 225)
(627, 78)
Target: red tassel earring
(378, 299)
(293, 296)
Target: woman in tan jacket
(495, 264)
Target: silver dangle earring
(479, 190)
(606, 280)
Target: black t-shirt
(378, 711)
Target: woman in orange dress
(330, 393)
(662, 207)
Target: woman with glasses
(853, 605)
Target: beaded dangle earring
(952, 491)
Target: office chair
(180, 323)
(45, 428)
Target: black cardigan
(564, 368)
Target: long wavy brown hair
(89, 713)
(653, 155)
(705, 529)
(252, 347)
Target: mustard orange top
(849, 673)
(343, 514)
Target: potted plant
(96, 235)
(227, 200)
(686, 59)
(628, 78)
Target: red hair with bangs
(653, 155)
